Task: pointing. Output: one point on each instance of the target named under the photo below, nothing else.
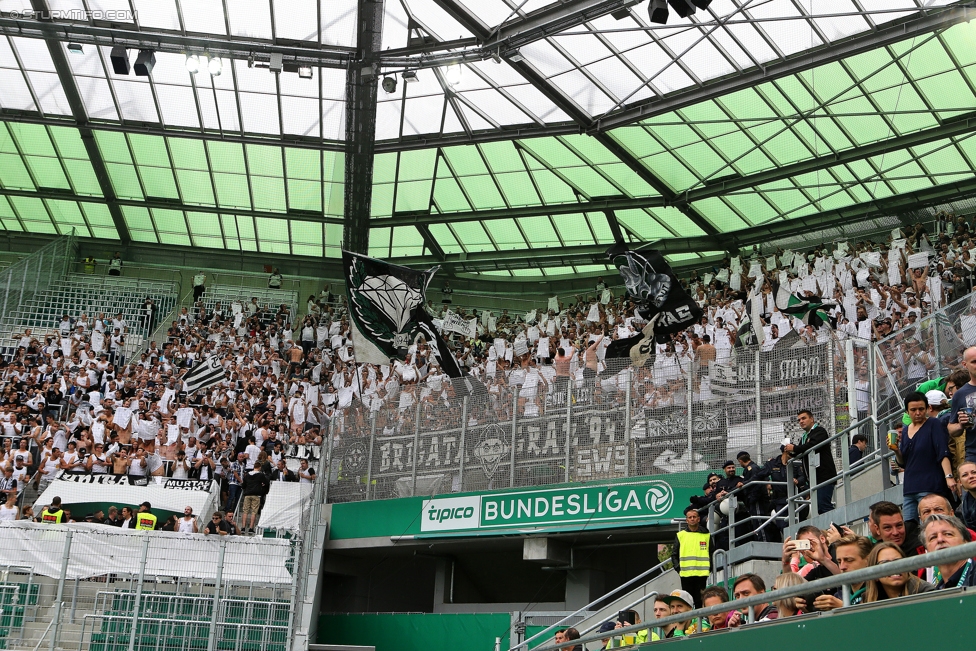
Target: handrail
(653, 593)
(44, 634)
(642, 575)
(910, 564)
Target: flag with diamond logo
(386, 310)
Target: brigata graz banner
(637, 504)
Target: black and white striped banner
(206, 374)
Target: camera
(801, 545)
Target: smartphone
(627, 617)
(801, 545)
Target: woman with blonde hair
(896, 585)
(787, 607)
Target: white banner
(455, 323)
(98, 550)
(285, 504)
(109, 489)
(918, 260)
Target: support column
(361, 81)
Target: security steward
(52, 514)
(691, 555)
(145, 520)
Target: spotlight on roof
(305, 72)
(215, 66)
(120, 60)
(144, 63)
(192, 64)
(702, 4)
(75, 48)
(389, 84)
(516, 56)
(410, 76)
(495, 57)
(658, 11)
(683, 8)
(277, 63)
(620, 14)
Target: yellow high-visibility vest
(51, 518)
(693, 553)
(145, 521)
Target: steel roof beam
(169, 205)
(923, 22)
(80, 115)
(231, 47)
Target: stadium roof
(535, 135)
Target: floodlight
(702, 4)
(410, 76)
(192, 64)
(620, 14)
(683, 8)
(658, 11)
(516, 56)
(120, 60)
(276, 62)
(495, 57)
(75, 48)
(389, 84)
(453, 74)
(144, 63)
(305, 72)
(215, 66)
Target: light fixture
(215, 66)
(702, 4)
(495, 57)
(276, 62)
(120, 60)
(453, 74)
(389, 84)
(75, 48)
(516, 56)
(305, 72)
(620, 14)
(683, 8)
(192, 64)
(658, 11)
(410, 76)
(144, 63)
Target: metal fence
(532, 428)
(104, 589)
(35, 273)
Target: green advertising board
(571, 507)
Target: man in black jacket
(256, 485)
(813, 435)
(282, 473)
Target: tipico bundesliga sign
(578, 507)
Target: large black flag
(387, 315)
(660, 298)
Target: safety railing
(645, 575)
(748, 605)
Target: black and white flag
(387, 315)
(661, 300)
(206, 374)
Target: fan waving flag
(386, 309)
(810, 311)
(751, 330)
(661, 300)
(206, 374)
